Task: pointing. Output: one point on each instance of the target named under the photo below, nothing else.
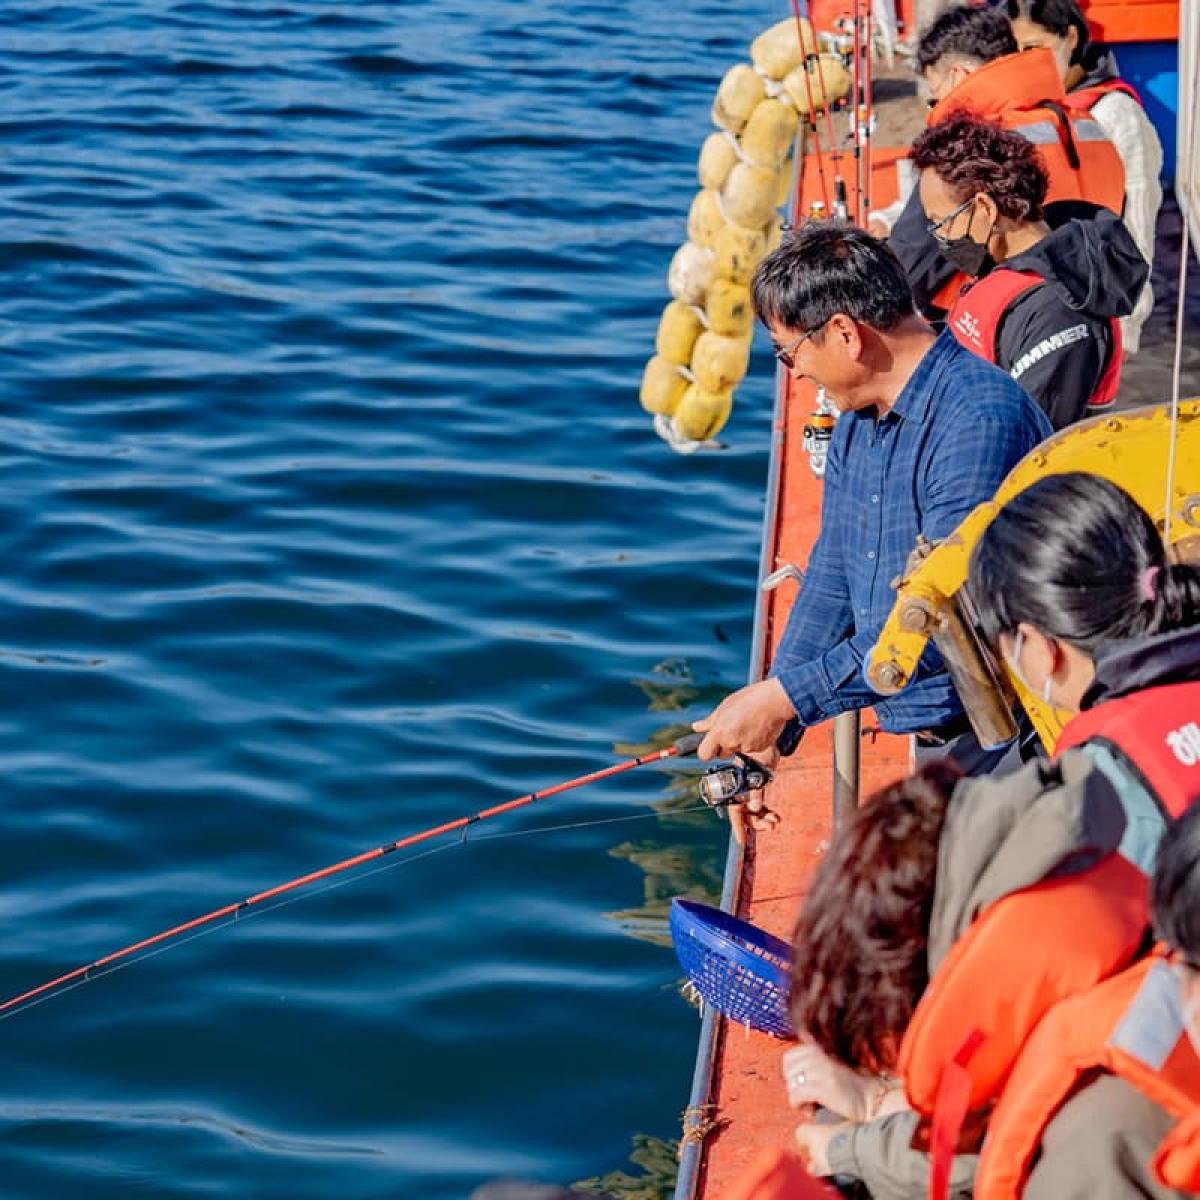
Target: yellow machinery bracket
(1128, 448)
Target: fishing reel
(727, 783)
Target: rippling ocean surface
(328, 513)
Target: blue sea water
(327, 512)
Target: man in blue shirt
(926, 432)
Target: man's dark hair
(1056, 16)
(978, 34)
(972, 156)
(830, 267)
(1175, 888)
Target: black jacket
(1135, 664)
(1099, 65)
(1056, 340)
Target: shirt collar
(913, 402)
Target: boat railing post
(847, 738)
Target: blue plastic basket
(741, 970)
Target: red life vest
(980, 308)
(1156, 732)
(1129, 1026)
(1084, 99)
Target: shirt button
(863, 611)
(870, 553)
(874, 499)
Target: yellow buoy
(767, 139)
(678, 330)
(717, 158)
(738, 251)
(832, 71)
(739, 94)
(729, 310)
(662, 386)
(690, 273)
(719, 363)
(749, 196)
(702, 414)
(777, 50)
(704, 219)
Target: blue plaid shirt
(954, 433)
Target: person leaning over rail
(1090, 75)
(927, 431)
(1103, 625)
(971, 62)
(1000, 933)
(1043, 304)
(918, 867)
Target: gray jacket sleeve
(880, 1154)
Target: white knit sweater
(1130, 130)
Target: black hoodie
(1099, 65)
(1056, 339)
(1135, 664)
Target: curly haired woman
(1044, 304)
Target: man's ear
(844, 329)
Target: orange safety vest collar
(1177, 1160)
(1156, 732)
(1128, 1026)
(980, 308)
(1085, 98)
(1023, 92)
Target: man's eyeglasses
(787, 354)
(934, 226)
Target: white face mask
(1014, 661)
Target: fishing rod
(684, 747)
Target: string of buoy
(745, 169)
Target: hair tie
(1147, 582)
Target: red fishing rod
(682, 748)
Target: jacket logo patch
(967, 324)
(1185, 743)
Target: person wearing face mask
(1093, 84)
(927, 431)
(1175, 899)
(1100, 623)
(1043, 304)
(970, 61)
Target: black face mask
(968, 255)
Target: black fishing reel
(727, 783)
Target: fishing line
(1180, 306)
(231, 914)
(331, 887)
(812, 112)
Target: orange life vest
(1085, 99)
(1022, 956)
(1023, 92)
(1177, 1160)
(1129, 1026)
(977, 313)
(777, 1175)
(1156, 732)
